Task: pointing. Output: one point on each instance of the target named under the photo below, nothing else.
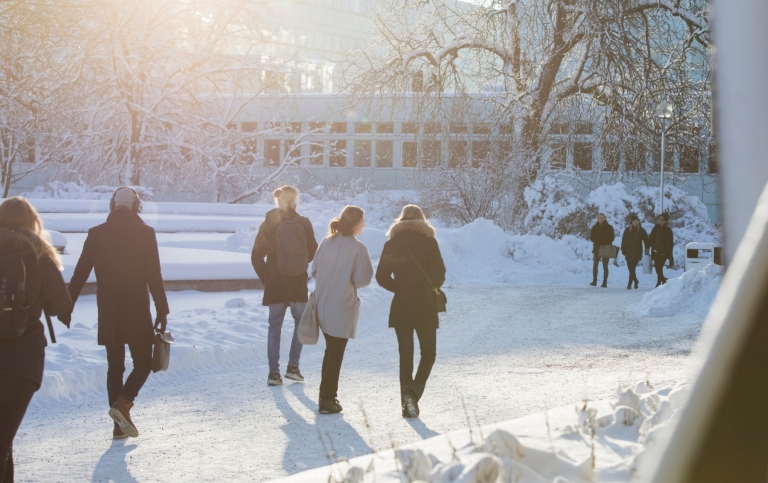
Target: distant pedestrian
(123, 252)
(284, 246)
(661, 241)
(412, 244)
(601, 234)
(341, 266)
(632, 242)
(25, 255)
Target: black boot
(328, 405)
(593, 283)
(629, 285)
(636, 283)
(605, 284)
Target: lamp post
(664, 112)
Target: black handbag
(440, 299)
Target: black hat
(664, 216)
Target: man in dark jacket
(601, 234)
(123, 252)
(661, 241)
(632, 247)
(281, 290)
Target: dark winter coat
(280, 289)
(601, 234)
(123, 252)
(414, 302)
(25, 356)
(662, 240)
(632, 243)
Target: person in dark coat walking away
(342, 266)
(632, 242)
(601, 234)
(22, 356)
(284, 246)
(123, 253)
(661, 241)
(411, 241)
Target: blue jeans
(276, 316)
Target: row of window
(428, 128)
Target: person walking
(411, 243)
(342, 265)
(601, 234)
(661, 241)
(284, 246)
(26, 257)
(632, 242)
(123, 252)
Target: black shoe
(293, 374)
(663, 281)
(410, 404)
(636, 283)
(629, 285)
(593, 283)
(605, 284)
(274, 379)
(658, 282)
(329, 406)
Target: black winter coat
(662, 240)
(414, 302)
(632, 243)
(25, 356)
(601, 234)
(123, 252)
(280, 289)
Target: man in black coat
(601, 234)
(281, 291)
(123, 252)
(661, 241)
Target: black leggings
(658, 262)
(632, 267)
(142, 366)
(15, 395)
(428, 348)
(594, 268)
(334, 356)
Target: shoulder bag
(440, 299)
(309, 329)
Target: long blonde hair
(19, 216)
(285, 196)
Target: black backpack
(292, 257)
(13, 296)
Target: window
(272, 152)
(317, 126)
(457, 154)
(506, 129)
(430, 154)
(481, 151)
(409, 155)
(581, 127)
(338, 127)
(316, 153)
(362, 154)
(669, 157)
(292, 149)
(385, 128)
(557, 157)
(504, 150)
(611, 157)
(294, 127)
(582, 156)
(431, 128)
(712, 160)
(337, 154)
(383, 154)
(689, 159)
(363, 127)
(481, 128)
(459, 128)
(249, 151)
(409, 128)
(249, 126)
(635, 157)
(27, 150)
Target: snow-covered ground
(524, 337)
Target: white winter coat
(341, 266)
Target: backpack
(13, 296)
(292, 257)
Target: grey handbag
(608, 251)
(309, 329)
(161, 353)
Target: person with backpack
(661, 241)
(632, 242)
(409, 256)
(123, 252)
(30, 283)
(342, 265)
(601, 234)
(284, 246)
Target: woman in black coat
(412, 241)
(22, 358)
(601, 234)
(661, 241)
(632, 242)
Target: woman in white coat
(341, 266)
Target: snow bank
(693, 292)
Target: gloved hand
(65, 319)
(160, 322)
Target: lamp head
(664, 110)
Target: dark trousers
(632, 267)
(658, 262)
(594, 268)
(15, 395)
(427, 346)
(142, 366)
(334, 355)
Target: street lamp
(664, 112)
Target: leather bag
(161, 351)
(441, 301)
(608, 251)
(309, 328)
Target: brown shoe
(120, 412)
(117, 433)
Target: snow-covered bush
(74, 191)
(614, 201)
(554, 209)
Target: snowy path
(507, 351)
